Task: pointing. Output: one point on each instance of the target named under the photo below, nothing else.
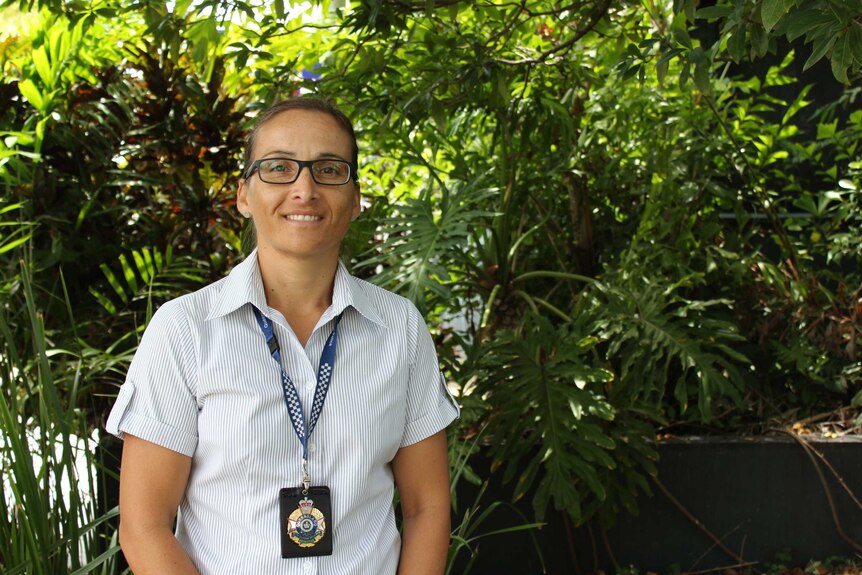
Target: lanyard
(291, 398)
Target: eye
(330, 169)
(278, 167)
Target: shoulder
(393, 309)
(189, 309)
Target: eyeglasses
(287, 170)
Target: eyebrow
(289, 154)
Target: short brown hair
(304, 103)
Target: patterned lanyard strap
(291, 398)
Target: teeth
(303, 218)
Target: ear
(242, 198)
(357, 201)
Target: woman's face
(302, 220)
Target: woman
(278, 407)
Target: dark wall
(761, 499)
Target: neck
(301, 289)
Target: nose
(304, 187)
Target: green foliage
(615, 225)
(48, 514)
(149, 274)
(832, 28)
(544, 394)
(422, 244)
(663, 342)
(467, 535)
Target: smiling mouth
(303, 218)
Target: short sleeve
(157, 401)
(430, 406)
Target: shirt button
(309, 385)
(307, 565)
(312, 447)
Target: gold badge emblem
(306, 525)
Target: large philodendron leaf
(549, 414)
(423, 239)
(662, 341)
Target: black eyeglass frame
(255, 167)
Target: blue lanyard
(291, 398)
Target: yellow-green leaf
(29, 90)
(43, 66)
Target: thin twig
(818, 416)
(709, 549)
(696, 521)
(810, 451)
(570, 540)
(610, 551)
(598, 14)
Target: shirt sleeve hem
(156, 432)
(433, 422)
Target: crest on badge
(306, 525)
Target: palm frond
(143, 275)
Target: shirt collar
(243, 285)
(349, 291)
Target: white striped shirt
(204, 384)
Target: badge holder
(305, 525)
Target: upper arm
(430, 407)
(421, 473)
(159, 400)
(153, 481)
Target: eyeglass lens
(286, 171)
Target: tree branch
(599, 13)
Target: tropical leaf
(549, 414)
(663, 342)
(148, 275)
(425, 237)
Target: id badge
(305, 522)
